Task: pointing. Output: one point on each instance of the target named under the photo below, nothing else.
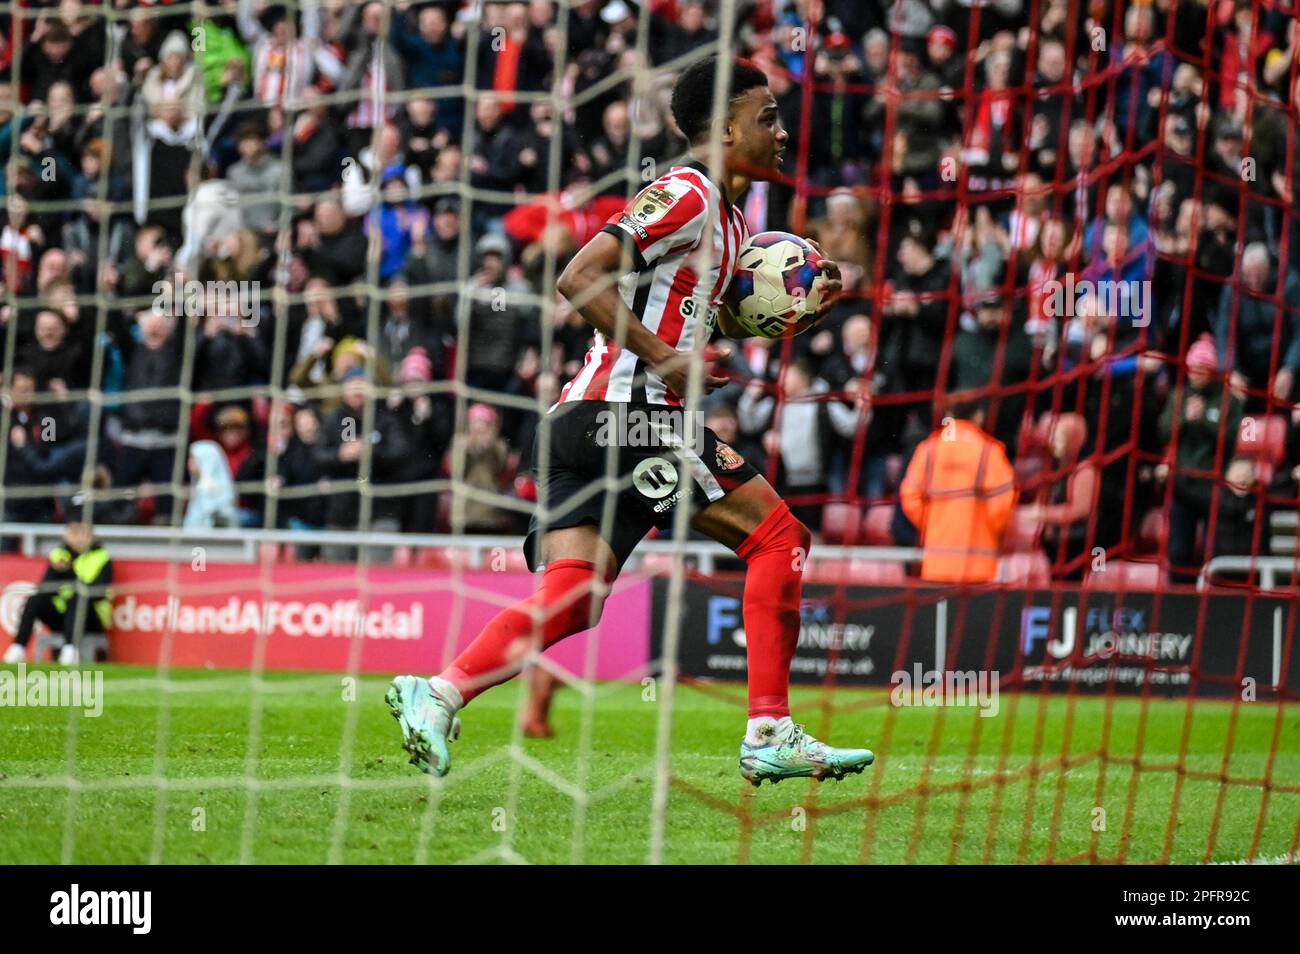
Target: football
(774, 291)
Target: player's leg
(582, 557)
(754, 521)
(536, 718)
(579, 568)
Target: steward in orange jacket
(959, 490)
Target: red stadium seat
(658, 564)
(1125, 575)
(515, 561)
(840, 523)
(878, 526)
(864, 572)
(1263, 440)
(1025, 569)
(877, 572)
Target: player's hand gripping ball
(781, 286)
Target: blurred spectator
(256, 173)
(478, 460)
(55, 355)
(150, 426)
(846, 236)
(992, 358)
(229, 354)
(434, 58)
(47, 445)
(339, 456)
(670, 40)
(334, 248)
(174, 80)
(1072, 497)
(232, 426)
(1043, 263)
(1202, 417)
(317, 146)
(21, 243)
(983, 253)
(402, 225)
(502, 318)
(1257, 335)
(375, 67)
(80, 562)
(212, 491)
(852, 367)
(282, 70)
(1242, 512)
(426, 420)
(916, 312)
(802, 443)
(162, 163)
(958, 492)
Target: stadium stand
(968, 172)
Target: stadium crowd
(961, 161)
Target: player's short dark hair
(692, 103)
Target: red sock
(772, 587)
(561, 607)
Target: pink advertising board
(329, 617)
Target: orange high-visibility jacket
(959, 490)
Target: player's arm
(590, 283)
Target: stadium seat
(439, 558)
(1125, 575)
(864, 572)
(1264, 442)
(1025, 569)
(840, 523)
(877, 526)
(657, 564)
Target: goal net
(280, 323)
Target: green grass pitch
(1029, 789)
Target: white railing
(240, 545)
(1268, 568)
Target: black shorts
(660, 456)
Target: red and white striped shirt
(684, 235)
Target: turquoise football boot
(790, 752)
(427, 722)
